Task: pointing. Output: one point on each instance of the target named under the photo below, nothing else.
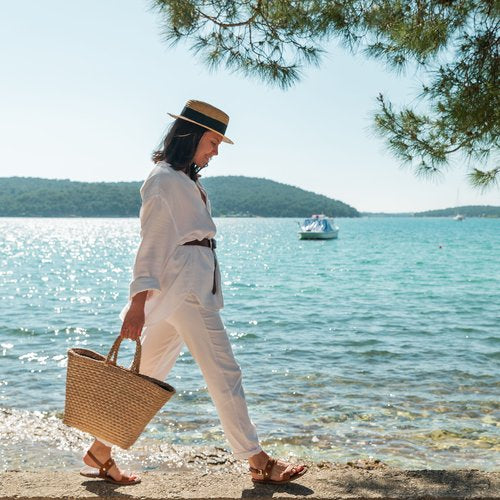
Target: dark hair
(179, 146)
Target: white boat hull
(318, 235)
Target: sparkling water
(383, 343)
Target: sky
(85, 89)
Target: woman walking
(175, 294)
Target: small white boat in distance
(459, 217)
(318, 227)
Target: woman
(175, 294)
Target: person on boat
(175, 295)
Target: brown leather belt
(210, 243)
(205, 242)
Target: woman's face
(207, 147)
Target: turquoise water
(383, 343)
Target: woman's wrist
(139, 299)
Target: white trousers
(204, 334)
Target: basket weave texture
(109, 401)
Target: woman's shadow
(267, 490)
(103, 489)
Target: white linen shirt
(172, 213)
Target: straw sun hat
(207, 116)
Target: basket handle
(113, 354)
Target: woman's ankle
(260, 459)
(99, 446)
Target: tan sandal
(102, 473)
(266, 473)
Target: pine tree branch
(220, 24)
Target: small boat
(318, 227)
(458, 215)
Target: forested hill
(468, 211)
(230, 196)
(251, 196)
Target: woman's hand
(133, 322)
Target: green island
(230, 196)
(467, 211)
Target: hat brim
(224, 138)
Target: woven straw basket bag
(109, 401)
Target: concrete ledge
(321, 482)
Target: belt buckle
(213, 244)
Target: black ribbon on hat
(203, 119)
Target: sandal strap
(266, 471)
(108, 464)
(93, 457)
(288, 475)
(103, 467)
(269, 467)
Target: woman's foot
(280, 471)
(102, 453)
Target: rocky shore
(212, 477)
(40, 459)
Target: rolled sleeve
(159, 238)
(142, 283)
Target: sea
(382, 344)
